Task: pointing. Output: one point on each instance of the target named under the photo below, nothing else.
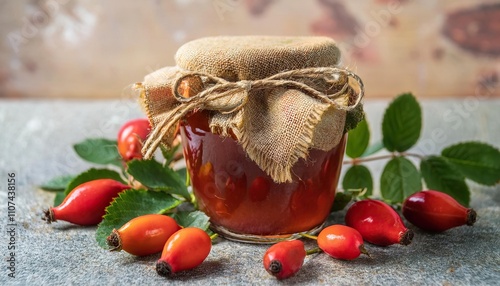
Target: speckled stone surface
(36, 140)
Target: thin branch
(421, 157)
(368, 159)
(356, 161)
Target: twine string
(220, 88)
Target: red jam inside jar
(242, 201)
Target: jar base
(261, 239)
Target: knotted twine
(229, 98)
(277, 119)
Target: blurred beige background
(95, 49)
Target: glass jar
(242, 201)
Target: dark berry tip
(48, 215)
(406, 237)
(275, 267)
(163, 268)
(471, 217)
(114, 241)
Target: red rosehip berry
(436, 211)
(378, 223)
(130, 138)
(341, 242)
(259, 189)
(285, 258)
(184, 250)
(143, 235)
(86, 204)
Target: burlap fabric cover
(280, 96)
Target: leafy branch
(401, 128)
(157, 188)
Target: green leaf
(192, 219)
(155, 176)
(399, 179)
(131, 204)
(90, 175)
(341, 201)
(57, 184)
(59, 198)
(358, 139)
(358, 177)
(353, 117)
(99, 150)
(477, 161)
(402, 123)
(182, 172)
(374, 148)
(441, 176)
(169, 154)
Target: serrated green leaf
(341, 201)
(441, 176)
(399, 179)
(99, 151)
(59, 198)
(402, 123)
(131, 204)
(358, 139)
(192, 219)
(155, 176)
(358, 177)
(477, 161)
(57, 184)
(374, 148)
(90, 175)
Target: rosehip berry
(130, 138)
(341, 242)
(86, 204)
(184, 250)
(285, 258)
(378, 223)
(436, 211)
(143, 235)
(259, 189)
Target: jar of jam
(242, 201)
(263, 122)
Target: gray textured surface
(36, 140)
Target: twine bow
(227, 97)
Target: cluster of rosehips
(375, 222)
(183, 248)
(86, 204)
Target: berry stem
(308, 236)
(193, 200)
(363, 250)
(381, 157)
(214, 236)
(313, 251)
